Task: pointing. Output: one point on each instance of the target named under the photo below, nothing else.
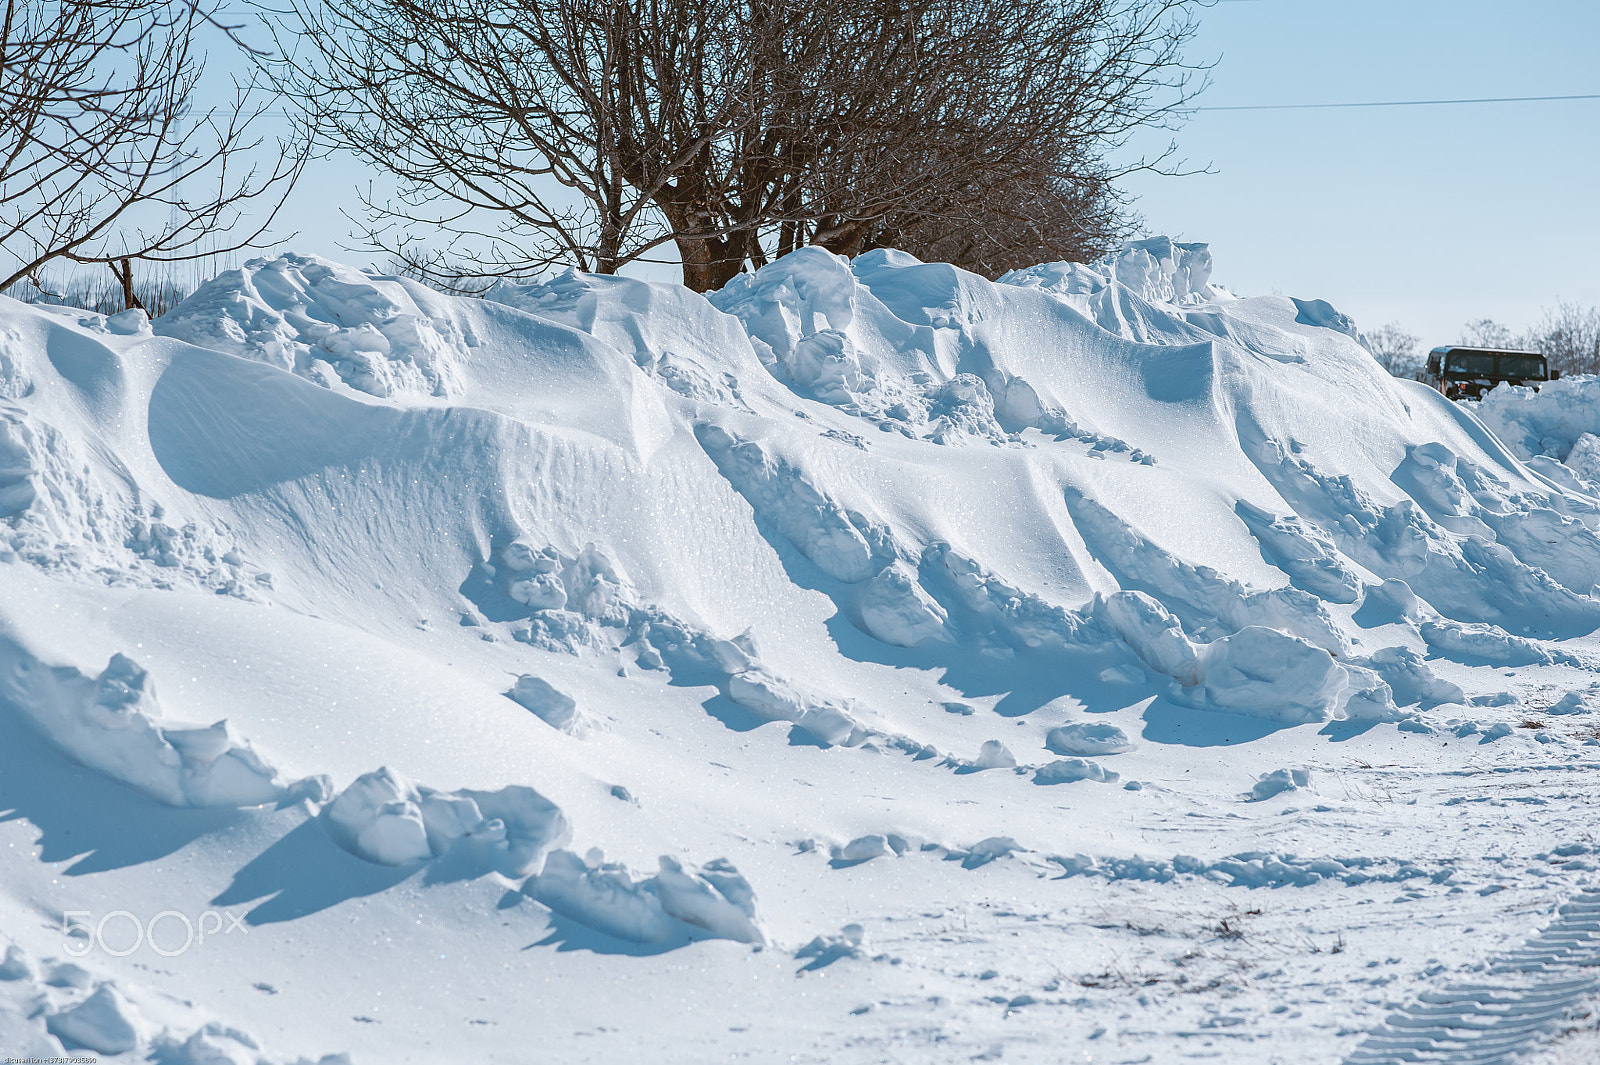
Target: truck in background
(1467, 373)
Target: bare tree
(1569, 336)
(1395, 348)
(590, 132)
(105, 157)
(1488, 333)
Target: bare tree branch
(104, 158)
(529, 133)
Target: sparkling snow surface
(866, 662)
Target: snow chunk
(386, 819)
(130, 322)
(212, 1044)
(851, 942)
(1410, 679)
(994, 755)
(1068, 770)
(1087, 739)
(554, 708)
(1584, 458)
(713, 902)
(104, 1022)
(1266, 673)
(764, 693)
(895, 609)
(866, 848)
(1487, 642)
(1570, 703)
(1279, 781)
(1154, 634)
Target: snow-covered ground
(868, 662)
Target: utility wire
(1399, 103)
(1279, 107)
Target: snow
(865, 661)
(1547, 420)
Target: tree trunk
(125, 276)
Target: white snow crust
(867, 661)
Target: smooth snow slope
(570, 668)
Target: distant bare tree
(590, 132)
(1395, 349)
(105, 157)
(1488, 333)
(1569, 336)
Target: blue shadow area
(569, 935)
(85, 817)
(1348, 729)
(303, 873)
(1168, 722)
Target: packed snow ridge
(1104, 485)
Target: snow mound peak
(326, 322)
(1156, 269)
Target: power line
(1399, 103)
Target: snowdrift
(1118, 461)
(394, 536)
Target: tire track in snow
(1532, 991)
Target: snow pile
(1584, 458)
(1548, 420)
(380, 335)
(113, 723)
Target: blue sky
(1429, 216)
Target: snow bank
(1112, 484)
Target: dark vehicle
(1467, 373)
